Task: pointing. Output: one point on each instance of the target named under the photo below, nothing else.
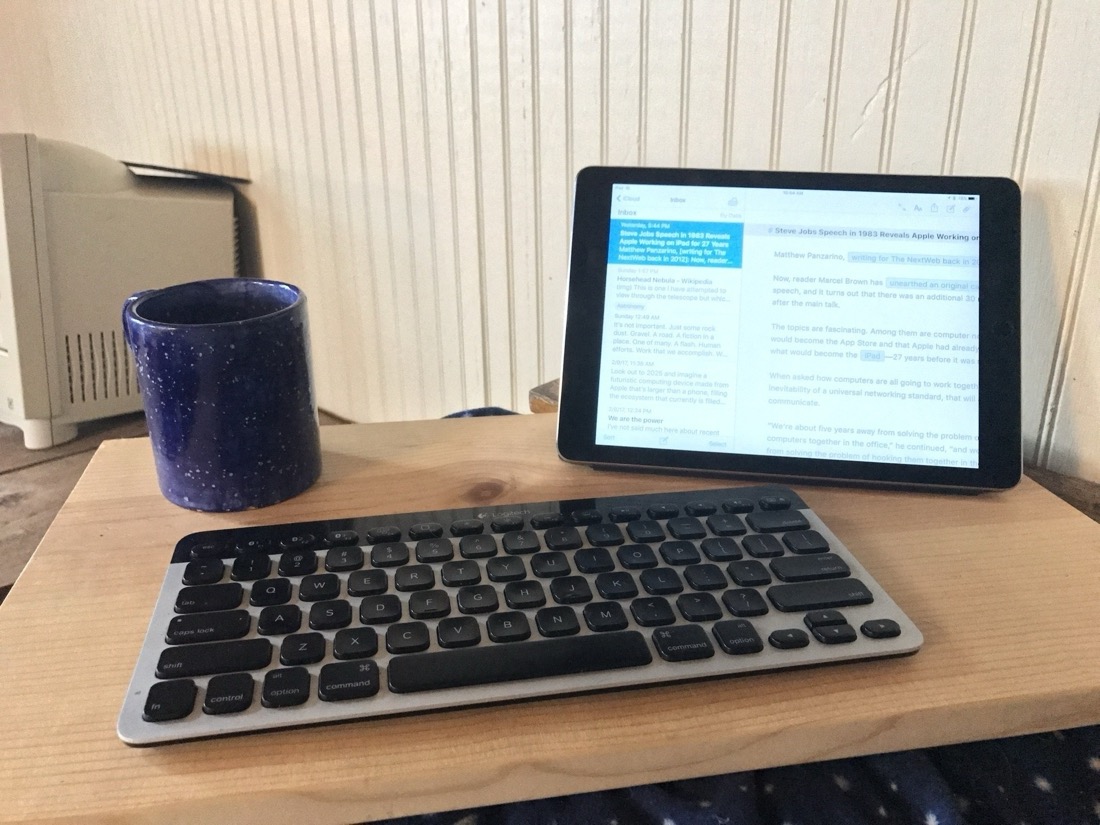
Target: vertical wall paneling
(757, 39)
(412, 161)
(807, 56)
(1052, 169)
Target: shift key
(819, 595)
(215, 657)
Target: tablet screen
(793, 322)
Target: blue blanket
(1045, 779)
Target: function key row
(592, 559)
(511, 522)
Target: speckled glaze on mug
(224, 373)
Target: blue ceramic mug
(224, 374)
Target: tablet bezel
(999, 444)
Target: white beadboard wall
(412, 160)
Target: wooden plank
(987, 668)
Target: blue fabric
(1045, 779)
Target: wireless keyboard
(269, 627)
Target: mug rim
(134, 306)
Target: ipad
(857, 328)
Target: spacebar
(519, 660)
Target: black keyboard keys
(229, 693)
(214, 657)
(347, 680)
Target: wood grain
(1002, 586)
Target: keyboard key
(700, 508)
(705, 577)
(616, 586)
(808, 541)
(389, 554)
(777, 521)
(820, 618)
(686, 527)
(254, 544)
(208, 627)
(662, 511)
(683, 643)
(251, 566)
(285, 687)
(602, 617)
(774, 503)
(280, 619)
(319, 587)
(425, 530)
(299, 541)
(439, 549)
(521, 541)
(203, 571)
(548, 565)
(557, 621)
(169, 700)
(679, 552)
(214, 657)
(209, 550)
(720, 549)
(620, 515)
(739, 505)
(788, 639)
(341, 681)
(355, 643)
(762, 546)
(414, 577)
(807, 568)
(661, 581)
(460, 573)
(302, 649)
(737, 637)
(593, 560)
(339, 538)
(477, 547)
(604, 535)
(726, 525)
(379, 609)
(270, 591)
(229, 693)
(429, 604)
(205, 597)
(524, 595)
(795, 598)
(505, 569)
(651, 611)
(297, 563)
(698, 607)
(330, 615)
(518, 661)
(571, 590)
(744, 602)
(583, 517)
(461, 631)
(645, 532)
(342, 559)
(835, 634)
(467, 527)
(562, 538)
(748, 573)
(880, 629)
(506, 522)
(636, 556)
(544, 521)
(409, 637)
(508, 627)
(368, 583)
(383, 533)
(480, 598)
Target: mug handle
(126, 315)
